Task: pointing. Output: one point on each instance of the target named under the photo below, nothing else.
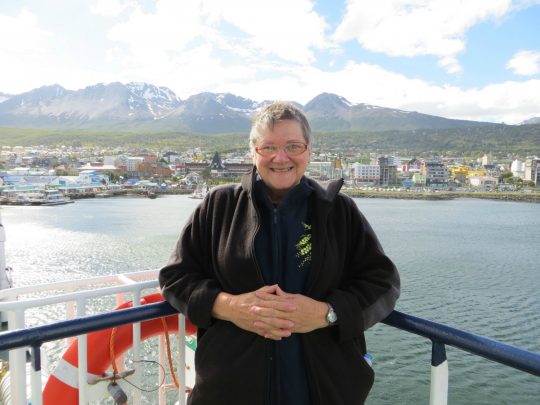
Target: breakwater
(533, 197)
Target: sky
(463, 59)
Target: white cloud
(510, 102)
(170, 28)
(450, 64)
(290, 29)
(21, 34)
(23, 46)
(32, 56)
(416, 27)
(110, 8)
(525, 63)
(262, 27)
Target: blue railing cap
(440, 334)
(491, 349)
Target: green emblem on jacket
(303, 247)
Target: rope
(169, 355)
(112, 355)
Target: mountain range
(143, 106)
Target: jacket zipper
(269, 346)
(276, 236)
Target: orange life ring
(62, 385)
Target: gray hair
(267, 116)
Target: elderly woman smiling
(282, 278)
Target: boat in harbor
(54, 197)
(18, 199)
(35, 196)
(47, 198)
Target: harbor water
(470, 264)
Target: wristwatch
(331, 316)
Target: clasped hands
(271, 312)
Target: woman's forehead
(285, 130)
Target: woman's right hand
(267, 318)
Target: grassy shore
(533, 196)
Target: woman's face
(280, 171)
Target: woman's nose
(281, 155)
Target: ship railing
(34, 337)
(80, 298)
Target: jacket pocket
(340, 374)
(230, 366)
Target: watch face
(331, 316)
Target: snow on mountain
(4, 97)
(138, 105)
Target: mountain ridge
(143, 106)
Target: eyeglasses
(291, 149)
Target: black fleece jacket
(349, 270)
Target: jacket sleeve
(187, 281)
(371, 283)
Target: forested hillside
(523, 139)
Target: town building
(532, 170)
(484, 181)
(388, 170)
(321, 170)
(419, 179)
(362, 173)
(436, 174)
(458, 174)
(412, 166)
(487, 159)
(518, 168)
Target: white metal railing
(78, 295)
(15, 341)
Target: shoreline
(532, 197)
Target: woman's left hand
(309, 315)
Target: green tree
(506, 176)
(61, 172)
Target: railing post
(82, 349)
(120, 359)
(70, 314)
(137, 352)
(438, 394)
(181, 338)
(17, 361)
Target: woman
(282, 277)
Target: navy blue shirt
(283, 251)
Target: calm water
(471, 264)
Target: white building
(483, 181)
(487, 159)
(366, 173)
(133, 163)
(518, 168)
